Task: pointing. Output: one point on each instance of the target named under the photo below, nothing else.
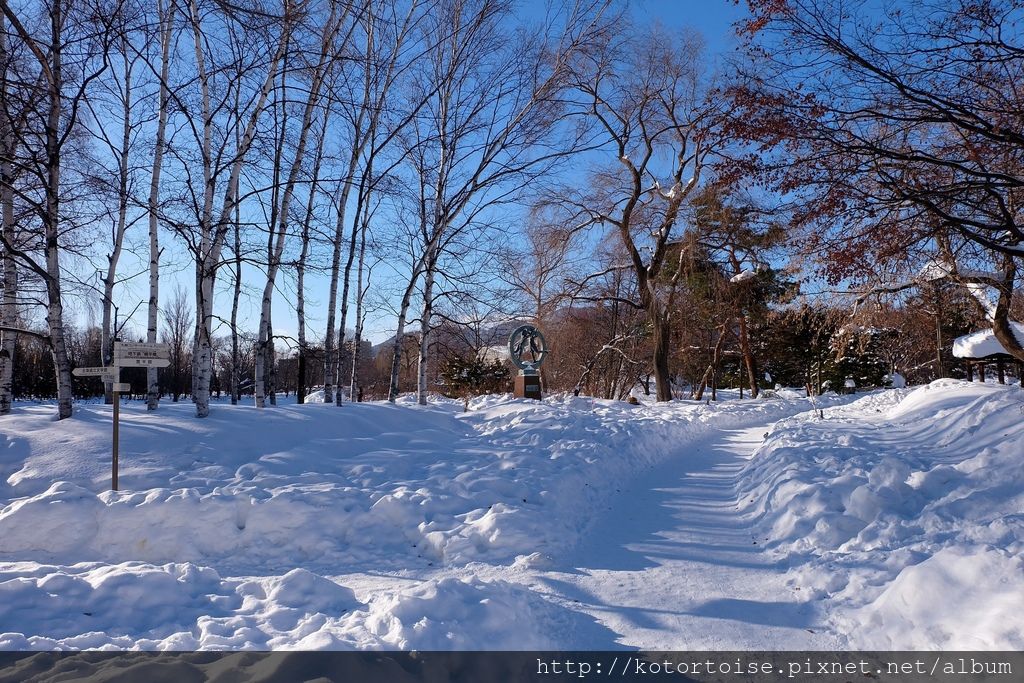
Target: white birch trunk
(107, 332)
(350, 259)
(214, 235)
(206, 215)
(300, 267)
(152, 320)
(428, 308)
(51, 228)
(330, 353)
(396, 351)
(235, 381)
(236, 355)
(353, 385)
(8, 306)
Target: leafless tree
(373, 121)
(325, 56)
(177, 324)
(8, 306)
(895, 138)
(69, 55)
(166, 22)
(649, 96)
(486, 131)
(221, 166)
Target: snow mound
(457, 614)
(128, 605)
(185, 607)
(876, 503)
(981, 606)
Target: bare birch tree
(114, 100)
(486, 130)
(8, 305)
(166, 18)
(372, 123)
(71, 55)
(222, 169)
(325, 58)
(305, 242)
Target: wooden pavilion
(981, 349)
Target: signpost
(94, 371)
(125, 356)
(137, 362)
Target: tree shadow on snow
(786, 614)
(684, 509)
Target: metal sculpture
(527, 350)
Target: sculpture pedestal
(527, 386)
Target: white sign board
(122, 386)
(124, 351)
(143, 362)
(94, 371)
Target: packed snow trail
(673, 564)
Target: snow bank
(228, 530)
(981, 605)
(458, 614)
(894, 499)
(184, 607)
(319, 486)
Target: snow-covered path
(674, 565)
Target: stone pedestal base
(527, 386)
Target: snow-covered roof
(983, 343)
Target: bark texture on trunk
(51, 228)
(152, 318)
(749, 361)
(1001, 327)
(8, 306)
(354, 392)
(330, 348)
(422, 360)
(396, 349)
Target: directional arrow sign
(122, 351)
(148, 362)
(94, 371)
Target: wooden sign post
(108, 373)
(116, 438)
(131, 356)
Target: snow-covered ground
(895, 500)
(569, 523)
